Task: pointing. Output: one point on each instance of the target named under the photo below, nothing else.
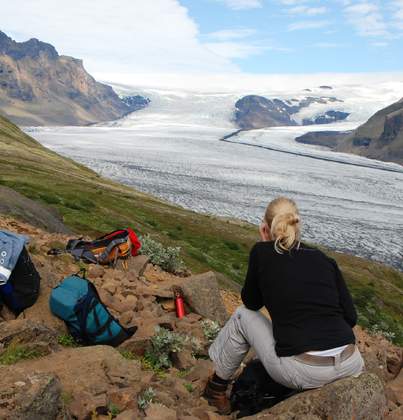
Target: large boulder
(138, 264)
(350, 398)
(29, 397)
(32, 335)
(394, 389)
(202, 294)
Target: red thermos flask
(179, 304)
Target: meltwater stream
(172, 150)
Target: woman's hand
(264, 232)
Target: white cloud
(308, 11)
(367, 19)
(242, 4)
(230, 34)
(397, 10)
(307, 24)
(236, 43)
(130, 36)
(232, 50)
(229, 43)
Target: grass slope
(90, 204)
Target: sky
(159, 37)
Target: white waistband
(330, 352)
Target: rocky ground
(44, 375)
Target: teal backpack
(76, 301)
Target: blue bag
(76, 301)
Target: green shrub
(376, 320)
(67, 340)
(163, 343)
(166, 342)
(113, 410)
(210, 329)
(168, 258)
(14, 354)
(377, 329)
(189, 387)
(146, 398)
(183, 373)
(127, 354)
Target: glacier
(172, 149)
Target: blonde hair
(284, 222)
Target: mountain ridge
(256, 111)
(40, 87)
(380, 137)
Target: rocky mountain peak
(254, 111)
(381, 137)
(28, 49)
(40, 87)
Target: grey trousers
(247, 329)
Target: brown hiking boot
(215, 394)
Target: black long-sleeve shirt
(305, 293)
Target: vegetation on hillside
(92, 205)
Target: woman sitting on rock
(309, 341)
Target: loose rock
(34, 396)
(203, 296)
(138, 264)
(351, 398)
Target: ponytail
(285, 230)
(283, 218)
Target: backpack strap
(110, 247)
(82, 310)
(124, 334)
(71, 245)
(136, 245)
(84, 254)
